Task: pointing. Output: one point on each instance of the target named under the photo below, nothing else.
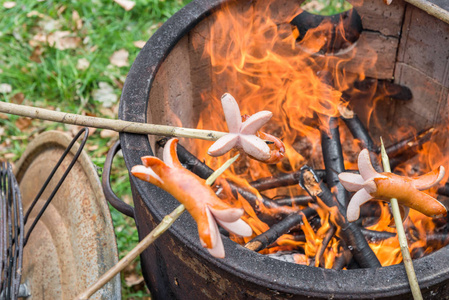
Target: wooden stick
(166, 223)
(268, 237)
(408, 263)
(111, 124)
(431, 9)
(327, 238)
(349, 232)
(333, 160)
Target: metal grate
(11, 233)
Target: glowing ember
(255, 57)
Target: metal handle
(110, 196)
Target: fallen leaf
(119, 58)
(82, 64)
(5, 88)
(61, 10)
(9, 156)
(23, 123)
(9, 4)
(105, 94)
(107, 134)
(108, 112)
(4, 116)
(38, 39)
(133, 279)
(2, 131)
(77, 20)
(63, 40)
(18, 98)
(49, 25)
(19, 138)
(127, 199)
(139, 44)
(118, 83)
(36, 54)
(126, 4)
(36, 13)
(93, 147)
(74, 129)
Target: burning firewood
(267, 238)
(245, 135)
(374, 236)
(370, 184)
(413, 143)
(407, 148)
(279, 180)
(333, 159)
(301, 200)
(286, 179)
(359, 132)
(379, 88)
(349, 232)
(444, 190)
(327, 238)
(342, 260)
(276, 212)
(357, 129)
(198, 198)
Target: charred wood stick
(267, 238)
(385, 88)
(374, 236)
(342, 260)
(327, 238)
(190, 161)
(360, 133)
(285, 179)
(444, 190)
(408, 148)
(280, 180)
(333, 160)
(293, 201)
(437, 238)
(349, 232)
(255, 201)
(412, 142)
(357, 129)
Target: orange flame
(254, 56)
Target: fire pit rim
(315, 282)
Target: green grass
(326, 7)
(48, 77)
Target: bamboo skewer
(111, 124)
(166, 223)
(408, 263)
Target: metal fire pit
(178, 267)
